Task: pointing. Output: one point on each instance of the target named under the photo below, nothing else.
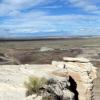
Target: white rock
(79, 59)
(43, 49)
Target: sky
(32, 18)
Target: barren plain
(44, 51)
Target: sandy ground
(12, 79)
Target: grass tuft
(34, 84)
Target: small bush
(34, 84)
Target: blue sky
(22, 18)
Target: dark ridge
(39, 39)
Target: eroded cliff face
(79, 72)
(82, 72)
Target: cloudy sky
(22, 18)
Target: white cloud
(86, 5)
(13, 6)
(40, 21)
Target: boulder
(58, 89)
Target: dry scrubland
(41, 52)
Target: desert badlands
(77, 74)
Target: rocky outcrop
(54, 89)
(58, 90)
(82, 72)
(78, 75)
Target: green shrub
(34, 84)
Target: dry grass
(34, 84)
